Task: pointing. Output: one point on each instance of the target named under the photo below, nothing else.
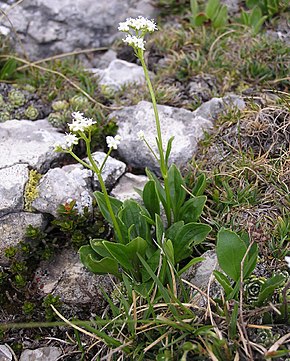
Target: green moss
(31, 191)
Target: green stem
(103, 188)
(163, 166)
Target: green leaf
(160, 286)
(268, 288)
(189, 235)
(115, 203)
(99, 266)
(177, 192)
(8, 69)
(151, 199)
(131, 215)
(211, 8)
(221, 18)
(230, 251)
(190, 264)
(159, 229)
(233, 321)
(194, 11)
(199, 185)
(192, 209)
(98, 246)
(169, 251)
(160, 190)
(168, 150)
(126, 255)
(200, 19)
(153, 263)
(172, 231)
(223, 281)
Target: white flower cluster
(287, 259)
(113, 142)
(135, 42)
(80, 123)
(137, 24)
(68, 142)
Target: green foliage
(47, 302)
(214, 12)
(253, 19)
(236, 258)
(145, 235)
(268, 8)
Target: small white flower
(287, 259)
(124, 26)
(113, 142)
(80, 123)
(135, 42)
(71, 139)
(68, 142)
(137, 24)
(141, 135)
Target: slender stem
(105, 160)
(163, 166)
(103, 188)
(157, 121)
(80, 160)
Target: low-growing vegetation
(232, 199)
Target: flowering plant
(145, 246)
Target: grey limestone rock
(127, 185)
(31, 143)
(48, 353)
(186, 127)
(201, 276)
(5, 353)
(12, 185)
(66, 277)
(61, 185)
(119, 73)
(112, 170)
(13, 227)
(74, 182)
(47, 27)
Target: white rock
(12, 185)
(47, 27)
(5, 353)
(60, 185)
(187, 128)
(127, 185)
(66, 277)
(48, 353)
(119, 73)
(32, 143)
(112, 170)
(13, 228)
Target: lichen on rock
(31, 191)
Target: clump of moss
(31, 191)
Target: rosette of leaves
(4, 115)
(57, 119)
(16, 98)
(79, 102)
(60, 105)
(150, 246)
(253, 287)
(31, 112)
